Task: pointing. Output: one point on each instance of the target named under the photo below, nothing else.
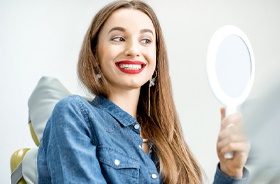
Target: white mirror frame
(215, 42)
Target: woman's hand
(232, 139)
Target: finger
(237, 147)
(224, 141)
(232, 119)
(230, 130)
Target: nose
(132, 49)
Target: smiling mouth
(130, 67)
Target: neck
(126, 100)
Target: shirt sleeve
(221, 178)
(68, 145)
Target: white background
(44, 38)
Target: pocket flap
(116, 159)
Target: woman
(130, 132)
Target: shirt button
(140, 146)
(154, 176)
(136, 126)
(117, 162)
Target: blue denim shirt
(95, 142)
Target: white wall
(44, 37)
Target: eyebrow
(117, 29)
(146, 30)
(123, 30)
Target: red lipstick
(130, 67)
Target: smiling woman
(130, 132)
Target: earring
(98, 71)
(151, 83)
(98, 76)
(153, 79)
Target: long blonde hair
(177, 163)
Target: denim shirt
(96, 142)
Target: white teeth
(130, 66)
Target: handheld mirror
(230, 68)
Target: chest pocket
(118, 166)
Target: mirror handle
(230, 110)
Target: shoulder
(72, 110)
(72, 103)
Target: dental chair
(41, 103)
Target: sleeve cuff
(221, 178)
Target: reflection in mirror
(233, 65)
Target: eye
(118, 39)
(146, 41)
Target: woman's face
(127, 49)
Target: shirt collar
(122, 116)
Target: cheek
(152, 57)
(152, 62)
(102, 55)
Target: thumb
(223, 113)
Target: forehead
(129, 19)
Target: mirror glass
(233, 65)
